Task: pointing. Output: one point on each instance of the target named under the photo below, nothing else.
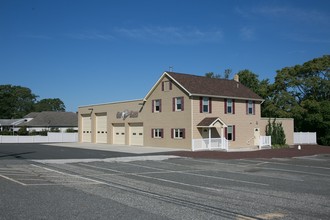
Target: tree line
(18, 101)
(301, 92)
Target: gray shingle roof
(201, 85)
(10, 122)
(52, 119)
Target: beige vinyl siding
(244, 124)
(287, 124)
(168, 119)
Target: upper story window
(250, 107)
(229, 106)
(205, 105)
(166, 86)
(178, 104)
(157, 105)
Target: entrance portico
(211, 137)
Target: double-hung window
(178, 104)
(250, 107)
(157, 133)
(157, 105)
(229, 106)
(205, 104)
(178, 133)
(230, 133)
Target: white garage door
(136, 135)
(86, 129)
(118, 134)
(101, 129)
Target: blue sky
(98, 51)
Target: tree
(226, 74)
(262, 88)
(15, 101)
(303, 93)
(50, 105)
(213, 75)
(275, 130)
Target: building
(179, 110)
(48, 120)
(38, 121)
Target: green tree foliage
(50, 105)
(18, 101)
(213, 75)
(226, 74)
(23, 131)
(275, 130)
(262, 88)
(15, 101)
(303, 93)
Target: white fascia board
(227, 97)
(109, 103)
(159, 80)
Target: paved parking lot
(165, 187)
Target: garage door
(101, 129)
(86, 129)
(136, 134)
(118, 134)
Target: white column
(222, 136)
(210, 134)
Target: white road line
(295, 171)
(67, 174)
(216, 177)
(288, 164)
(15, 181)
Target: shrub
(275, 130)
(70, 130)
(44, 132)
(23, 131)
(54, 130)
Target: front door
(256, 136)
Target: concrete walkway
(117, 148)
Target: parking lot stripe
(15, 181)
(288, 164)
(215, 177)
(67, 174)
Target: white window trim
(157, 132)
(232, 132)
(178, 131)
(176, 104)
(250, 106)
(229, 104)
(206, 99)
(155, 105)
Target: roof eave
(227, 97)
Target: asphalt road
(119, 186)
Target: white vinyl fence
(52, 137)
(210, 144)
(265, 142)
(304, 138)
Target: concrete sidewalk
(117, 148)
